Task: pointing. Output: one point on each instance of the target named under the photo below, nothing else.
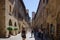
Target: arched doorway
(15, 24)
(15, 28)
(58, 26)
(51, 29)
(10, 24)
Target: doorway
(58, 26)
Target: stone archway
(10, 24)
(15, 27)
(58, 26)
(52, 30)
(15, 24)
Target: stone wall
(2, 18)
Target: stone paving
(18, 37)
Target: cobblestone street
(18, 37)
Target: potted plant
(15, 30)
(10, 29)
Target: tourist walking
(39, 34)
(23, 34)
(32, 32)
(36, 33)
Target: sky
(31, 5)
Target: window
(10, 22)
(48, 28)
(41, 26)
(47, 11)
(15, 14)
(10, 8)
(15, 24)
(51, 28)
(19, 15)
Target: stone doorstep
(14, 36)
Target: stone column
(7, 33)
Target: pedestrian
(23, 33)
(39, 34)
(32, 33)
(52, 36)
(36, 33)
(42, 34)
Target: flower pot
(10, 29)
(16, 31)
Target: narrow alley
(29, 19)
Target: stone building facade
(12, 14)
(48, 15)
(39, 16)
(53, 18)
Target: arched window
(15, 24)
(10, 22)
(10, 8)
